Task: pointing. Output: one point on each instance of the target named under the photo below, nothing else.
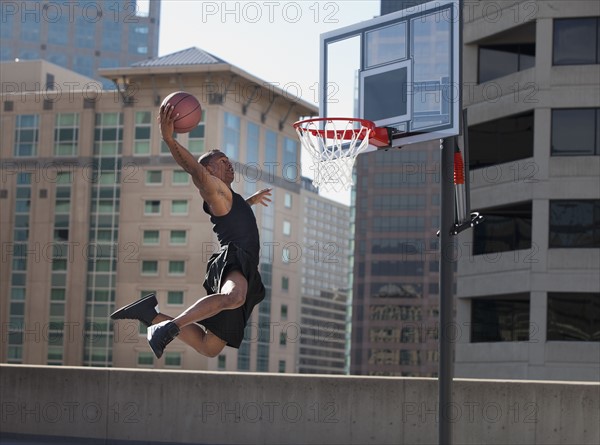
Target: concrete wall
(223, 408)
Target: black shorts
(229, 325)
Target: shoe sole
(116, 314)
(157, 353)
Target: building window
(105, 201)
(575, 223)
(142, 133)
(282, 366)
(262, 358)
(282, 338)
(196, 137)
(151, 237)
(291, 169)
(243, 360)
(180, 177)
(398, 202)
(231, 136)
(221, 361)
(434, 289)
(398, 223)
(58, 30)
(573, 316)
(173, 359)
(175, 297)
(26, 135)
(62, 206)
(66, 134)
(105, 206)
(502, 140)
(145, 359)
(252, 143)
(576, 132)
(178, 237)
(16, 306)
(176, 267)
(153, 177)
(502, 318)
(287, 228)
(284, 311)
(576, 41)
(402, 181)
(287, 200)
(285, 255)
(285, 283)
(149, 267)
(152, 207)
(506, 228)
(83, 37)
(501, 60)
(179, 207)
(29, 33)
(108, 138)
(270, 147)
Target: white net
(333, 145)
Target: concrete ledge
(243, 408)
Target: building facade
(528, 297)
(96, 213)
(83, 37)
(395, 270)
(527, 286)
(324, 302)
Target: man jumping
(232, 280)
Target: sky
(277, 41)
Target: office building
(81, 36)
(324, 303)
(395, 289)
(528, 297)
(395, 271)
(528, 291)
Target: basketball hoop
(334, 143)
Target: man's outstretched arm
(200, 176)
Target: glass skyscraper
(82, 37)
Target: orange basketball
(188, 108)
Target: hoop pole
(447, 261)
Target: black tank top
(238, 226)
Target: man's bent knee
(234, 299)
(234, 290)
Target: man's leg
(232, 296)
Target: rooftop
(189, 56)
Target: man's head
(218, 165)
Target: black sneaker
(143, 310)
(160, 335)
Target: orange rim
(348, 133)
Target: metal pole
(447, 261)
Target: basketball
(188, 108)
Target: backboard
(399, 70)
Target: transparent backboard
(399, 70)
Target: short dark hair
(207, 157)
